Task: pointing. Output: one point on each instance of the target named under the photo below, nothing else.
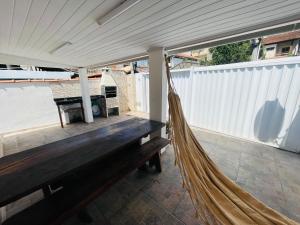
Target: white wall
(142, 92)
(258, 101)
(25, 105)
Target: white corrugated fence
(257, 100)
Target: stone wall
(131, 92)
(71, 88)
(121, 82)
(126, 90)
(124, 82)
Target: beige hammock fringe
(216, 198)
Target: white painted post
(256, 49)
(157, 86)
(85, 93)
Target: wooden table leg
(144, 166)
(82, 112)
(60, 119)
(155, 160)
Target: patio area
(151, 198)
(83, 166)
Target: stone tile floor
(146, 198)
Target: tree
(231, 53)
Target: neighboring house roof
(96, 75)
(281, 37)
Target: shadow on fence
(268, 121)
(292, 134)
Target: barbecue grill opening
(110, 91)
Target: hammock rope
(216, 198)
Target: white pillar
(157, 86)
(255, 52)
(85, 93)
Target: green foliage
(231, 53)
(204, 62)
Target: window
(270, 48)
(285, 50)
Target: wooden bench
(86, 183)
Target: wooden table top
(27, 171)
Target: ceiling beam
(121, 61)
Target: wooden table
(25, 172)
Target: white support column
(158, 86)
(255, 52)
(85, 93)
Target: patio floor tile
(151, 198)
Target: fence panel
(142, 92)
(258, 101)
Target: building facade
(282, 45)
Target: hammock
(216, 198)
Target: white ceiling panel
(6, 21)
(32, 29)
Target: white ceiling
(30, 29)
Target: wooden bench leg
(60, 118)
(155, 160)
(46, 191)
(82, 112)
(84, 216)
